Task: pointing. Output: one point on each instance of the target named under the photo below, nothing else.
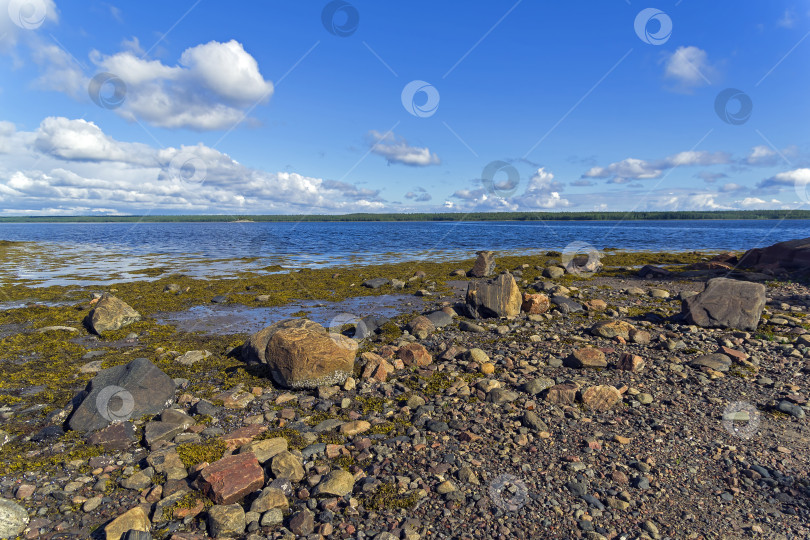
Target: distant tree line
(472, 216)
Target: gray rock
(13, 519)
(726, 303)
(715, 361)
(467, 326)
(136, 535)
(565, 304)
(532, 421)
(502, 395)
(791, 409)
(122, 392)
(439, 318)
(219, 299)
(554, 272)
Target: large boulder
(484, 265)
(109, 314)
(120, 393)
(789, 256)
(302, 354)
(726, 303)
(494, 298)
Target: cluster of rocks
(613, 408)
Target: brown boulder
(562, 394)
(612, 329)
(414, 355)
(110, 314)
(421, 326)
(499, 297)
(535, 304)
(630, 362)
(302, 354)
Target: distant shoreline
(428, 217)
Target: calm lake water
(104, 251)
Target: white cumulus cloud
(397, 150)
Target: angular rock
(122, 392)
(587, 357)
(13, 519)
(612, 329)
(337, 483)
(109, 314)
(135, 518)
(484, 264)
(302, 354)
(414, 355)
(532, 421)
(536, 386)
(226, 520)
(231, 478)
(535, 304)
(726, 303)
(376, 367)
(243, 435)
(601, 397)
(168, 462)
(494, 298)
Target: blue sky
(298, 107)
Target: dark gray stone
(726, 303)
(439, 318)
(565, 304)
(376, 283)
(122, 392)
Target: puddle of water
(241, 319)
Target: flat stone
(232, 478)
(192, 357)
(118, 436)
(376, 283)
(243, 435)
(612, 329)
(562, 394)
(355, 427)
(532, 421)
(630, 362)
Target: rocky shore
(661, 396)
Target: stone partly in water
(484, 265)
(302, 354)
(120, 393)
(109, 314)
(13, 519)
(494, 298)
(726, 303)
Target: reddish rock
(118, 436)
(630, 362)
(414, 354)
(376, 367)
(535, 304)
(243, 435)
(596, 305)
(734, 354)
(232, 478)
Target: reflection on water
(240, 319)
